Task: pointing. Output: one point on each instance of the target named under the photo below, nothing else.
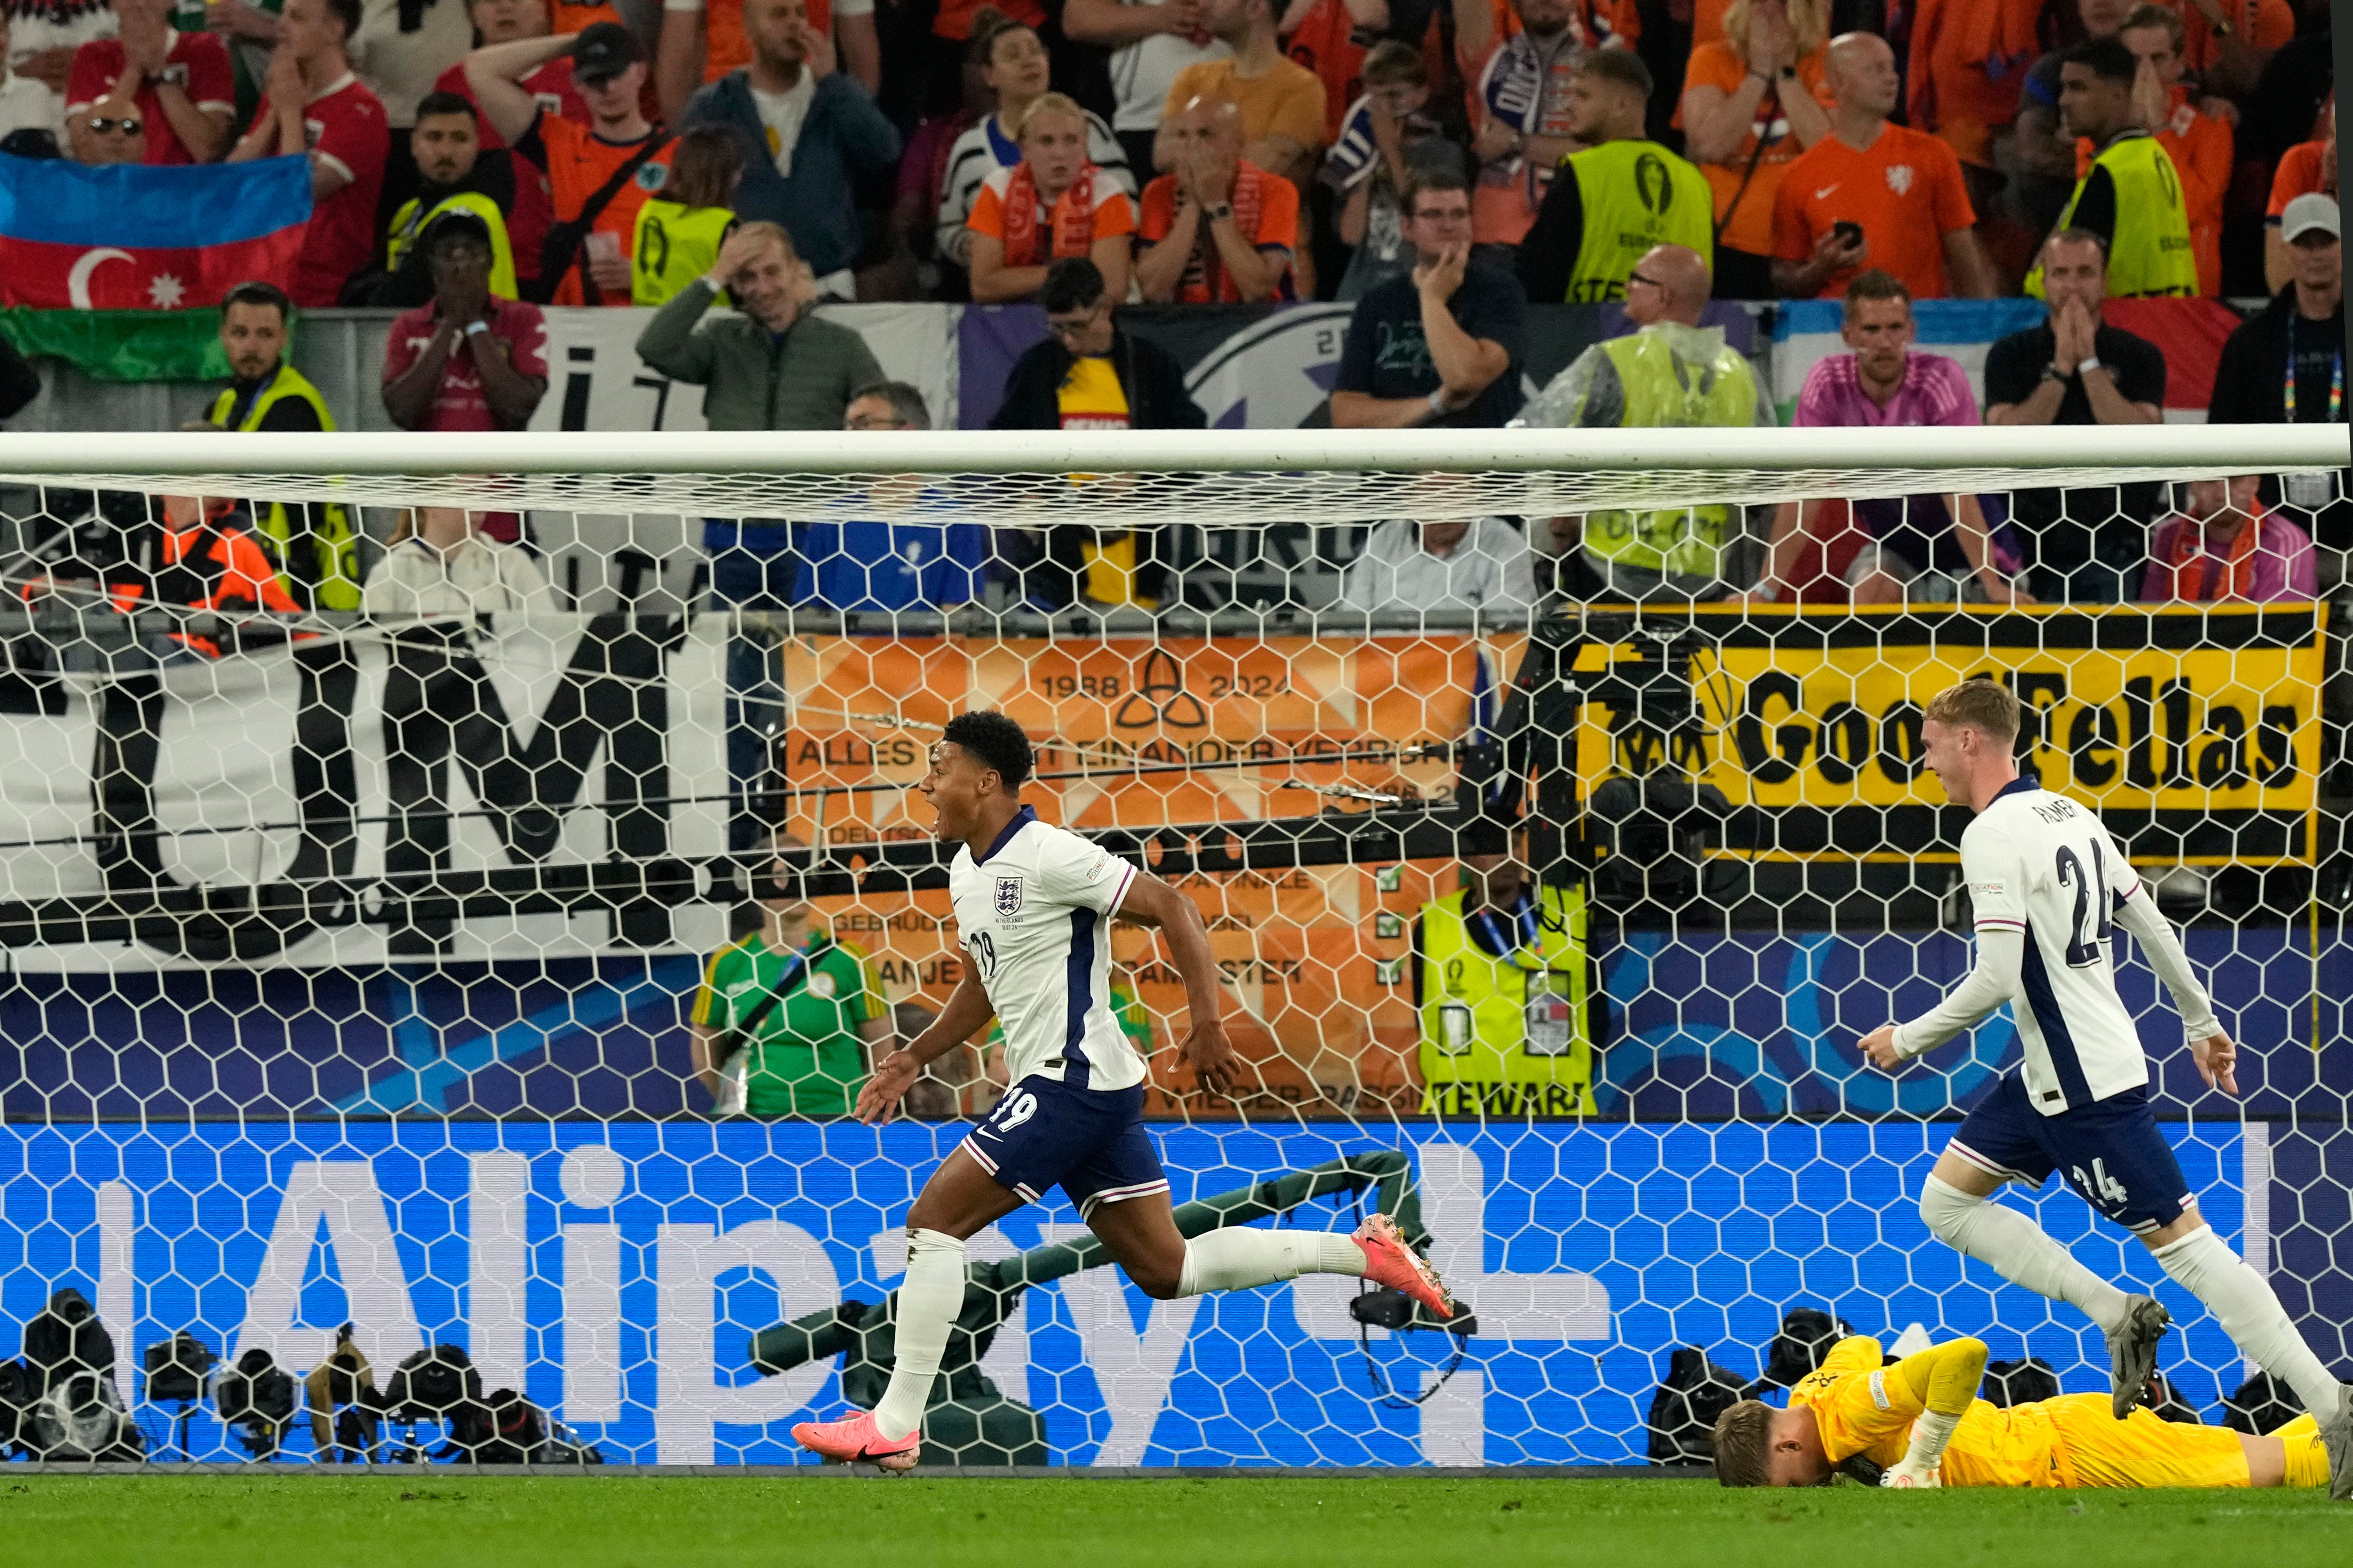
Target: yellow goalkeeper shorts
(2143, 1449)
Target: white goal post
(352, 959)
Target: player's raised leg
(1998, 1142)
(1141, 1233)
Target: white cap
(2307, 213)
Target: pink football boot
(853, 1440)
(1390, 1262)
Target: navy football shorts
(2110, 1152)
(1088, 1142)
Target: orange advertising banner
(1141, 733)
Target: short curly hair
(995, 742)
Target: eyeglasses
(1073, 327)
(1633, 278)
(130, 125)
(863, 422)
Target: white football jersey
(2041, 863)
(1034, 916)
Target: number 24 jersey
(2042, 864)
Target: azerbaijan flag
(120, 269)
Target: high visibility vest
(1635, 195)
(409, 224)
(1665, 389)
(333, 537)
(2150, 253)
(1506, 1037)
(674, 246)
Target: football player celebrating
(2049, 885)
(1919, 1424)
(1033, 906)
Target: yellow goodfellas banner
(2194, 733)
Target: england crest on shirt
(1007, 902)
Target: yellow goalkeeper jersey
(1862, 1408)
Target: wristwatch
(2052, 373)
(1222, 210)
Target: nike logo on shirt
(1826, 190)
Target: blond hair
(1985, 706)
(1744, 1444)
(1049, 103)
(1809, 24)
(763, 229)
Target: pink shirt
(2283, 566)
(1935, 391)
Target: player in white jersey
(1034, 906)
(2049, 886)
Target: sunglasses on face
(129, 125)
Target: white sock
(1239, 1257)
(929, 1300)
(2017, 1249)
(2242, 1301)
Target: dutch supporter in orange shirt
(2199, 144)
(1051, 204)
(2306, 169)
(597, 176)
(1218, 230)
(1751, 104)
(1901, 188)
(1970, 60)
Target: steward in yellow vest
(2131, 195)
(1503, 992)
(1670, 374)
(675, 244)
(1608, 205)
(313, 544)
(1611, 204)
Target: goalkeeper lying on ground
(1921, 1423)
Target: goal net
(392, 829)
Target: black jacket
(2247, 377)
(1149, 375)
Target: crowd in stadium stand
(1229, 150)
(1439, 164)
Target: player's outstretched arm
(1943, 1379)
(2218, 1058)
(2001, 954)
(968, 1009)
(1153, 902)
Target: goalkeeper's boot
(1904, 1474)
(853, 1440)
(2337, 1432)
(2132, 1350)
(1390, 1262)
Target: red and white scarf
(1072, 222)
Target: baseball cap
(603, 52)
(456, 221)
(2307, 213)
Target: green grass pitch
(438, 1515)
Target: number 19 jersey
(2041, 864)
(1034, 916)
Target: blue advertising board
(615, 1272)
